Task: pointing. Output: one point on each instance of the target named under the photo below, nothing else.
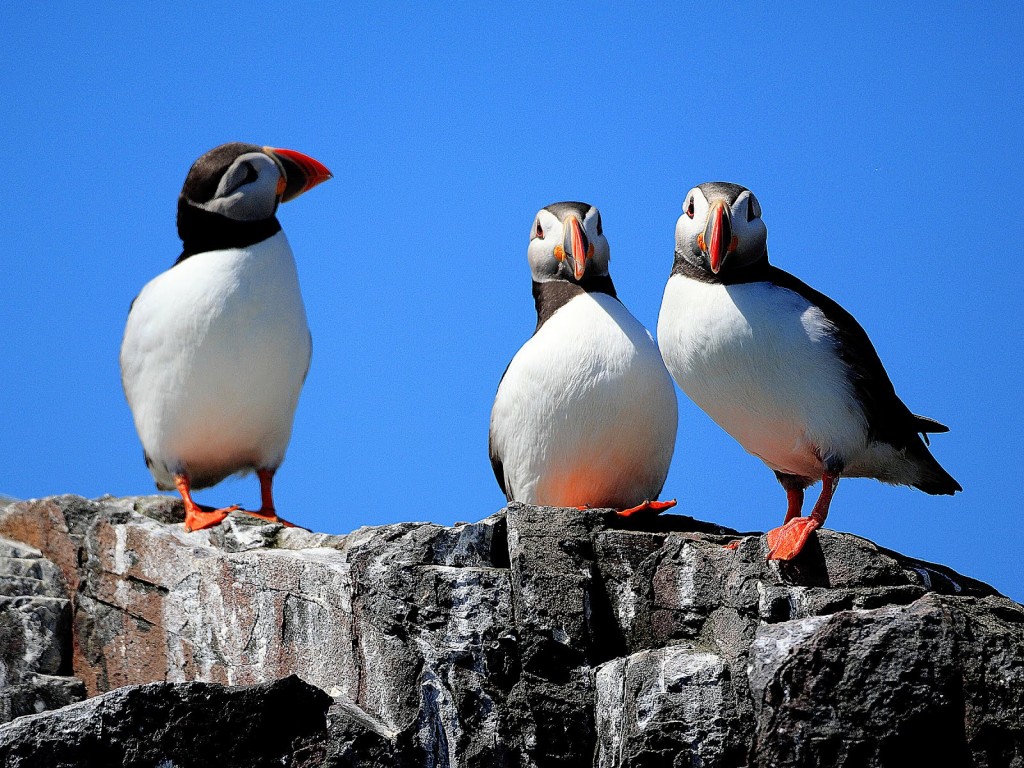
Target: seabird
(781, 367)
(216, 348)
(585, 414)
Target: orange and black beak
(576, 246)
(717, 239)
(299, 172)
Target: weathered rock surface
(184, 724)
(536, 637)
(35, 634)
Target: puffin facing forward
(782, 368)
(585, 415)
(216, 348)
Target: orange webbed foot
(197, 519)
(648, 506)
(732, 545)
(786, 541)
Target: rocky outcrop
(163, 724)
(35, 634)
(536, 637)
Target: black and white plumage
(216, 348)
(781, 367)
(585, 414)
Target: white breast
(213, 360)
(759, 360)
(586, 412)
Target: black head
(246, 182)
(231, 194)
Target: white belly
(586, 412)
(758, 360)
(213, 360)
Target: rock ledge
(535, 637)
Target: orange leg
(795, 503)
(196, 518)
(794, 497)
(266, 510)
(648, 506)
(786, 541)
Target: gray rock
(185, 724)
(35, 634)
(538, 637)
(357, 740)
(38, 693)
(672, 706)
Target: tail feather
(934, 479)
(924, 425)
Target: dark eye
(538, 231)
(600, 229)
(239, 176)
(250, 174)
(753, 208)
(689, 208)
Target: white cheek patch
(224, 205)
(252, 202)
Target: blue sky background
(883, 141)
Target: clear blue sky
(883, 141)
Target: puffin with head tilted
(216, 348)
(782, 368)
(585, 415)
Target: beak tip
(301, 172)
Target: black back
(889, 420)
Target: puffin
(784, 369)
(216, 349)
(585, 414)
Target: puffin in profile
(585, 414)
(216, 348)
(782, 368)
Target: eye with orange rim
(538, 231)
(689, 208)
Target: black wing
(889, 420)
(496, 464)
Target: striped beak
(299, 172)
(717, 239)
(577, 248)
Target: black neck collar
(551, 295)
(202, 231)
(756, 272)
